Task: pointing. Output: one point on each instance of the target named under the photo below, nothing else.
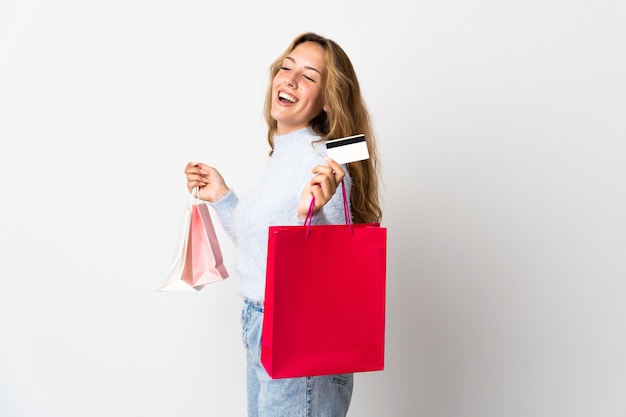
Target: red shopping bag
(324, 300)
(199, 258)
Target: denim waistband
(254, 305)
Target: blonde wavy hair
(346, 114)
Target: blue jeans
(317, 396)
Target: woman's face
(298, 88)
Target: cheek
(277, 80)
(314, 94)
(318, 98)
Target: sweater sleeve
(224, 209)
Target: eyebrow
(306, 66)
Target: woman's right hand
(210, 183)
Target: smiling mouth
(286, 98)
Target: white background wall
(502, 134)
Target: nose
(289, 81)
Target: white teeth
(287, 96)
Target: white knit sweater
(273, 202)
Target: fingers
(197, 168)
(324, 179)
(324, 184)
(338, 171)
(197, 175)
(208, 180)
(331, 174)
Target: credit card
(348, 149)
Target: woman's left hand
(323, 186)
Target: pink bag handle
(346, 211)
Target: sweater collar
(294, 139)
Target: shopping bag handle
(194, 197)
(346, 211)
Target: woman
(313, 96)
